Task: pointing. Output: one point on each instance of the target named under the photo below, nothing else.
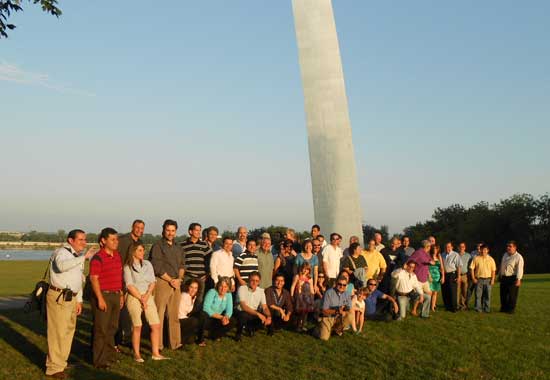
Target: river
(21, 254)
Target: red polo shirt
(108, 269)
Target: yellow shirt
(375, 262)
(483, 266)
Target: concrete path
(15, 302)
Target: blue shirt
(313, 261)
(371, 301)
(333, 300)
(213, 304)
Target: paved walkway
(15, 302)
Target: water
(21, 254)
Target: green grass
(465, 345)
(19, 277)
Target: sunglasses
(342, 284)
(372, 284)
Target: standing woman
(140, 283)
(284, 263)
(437, 274)
(307, 256)
(303, 293)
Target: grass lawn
(465, 345)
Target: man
(246, 263)
(378, 240)
(107, 298)
(127, 240)
(395, 258)
(221, 264)
(332, 254)
(239, 245)
(463, 283)
(124, 333)
(407, 246)
(471, 285)
(318, 251)
(279, 302)
(265, 261)
(64, 300)
(252, 310)
(452, 264)
(423, 261)
(169, 266)
(379, 310)
(483, 270)
(335, 307)
(511, 274)
(212, 233)
(376, 264)
(408, 288)
(196, 257)
(352, 239)
(316, 234)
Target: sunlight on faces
(279, 282)
(377, 238)
(308, 247)
(371, 245)
(169, 232)
(251, 246)
(406, 241)
(316, 245)
(266, 244)
(223, 289)
(139, 253)
(227, 244)
(462, 247)
(242, 233)
(196, 232)
(448, 247)
(137, 229)
(110, 243)
(79, 242)
(253, 282)
(194, 288)
(212, 236)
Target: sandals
(138, 359)
(160, 357)
(202, 344)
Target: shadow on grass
(20, 343)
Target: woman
(284, 263)
(303, 293)
(217, 311)
(307, 256)
(190, 312)
(356, 265)
(140, 283)
(437, 274)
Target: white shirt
(186, 305)
(512, 265)
(67, 271)
(451, 261)
(332, 257)
(406, 282)
(221, 264)
(252, 299)
(380, 247)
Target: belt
(60, 290)
(453, 272)
(111, 291)
(484, 278)
(403, 294)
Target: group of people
(204, 287)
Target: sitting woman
(303, 293)
(140, 283)
(190, 312)
(217, 311)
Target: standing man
(471, 285)
(265, 261)
(332, 254)
(169, 266)
(212, 233)
(395, 258)
(511, 274)
(107, 298)
(378, 240)
(246, 263)
(407, 246)
(452, 265)
(315, 233)
(463, 284)
(318, 251)
(221, 264)
(197, 256)
(63, 306)
(124, 333)
(352, 239)
(239, 245)
(376, 264)
(483, 270)
(423, 261)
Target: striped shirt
(196, 257)
(246, 263)
(108, 269)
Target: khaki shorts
(134, 309)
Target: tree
(7, 7)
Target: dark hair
(251, 241)
(405, 236)
(512, 242)
(279, 274)
(130, 256)
(188, 284)
(321, 236)
(409, 262)
(138, 221)
(332, 235)
(226, 238)
(193, 225)
(213, 228)
(316, 226)
(106, 232)
(306, 243)
(72, 233)
(353, 247)
(255, 273)
(169, 222)
(484, 246)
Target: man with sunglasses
(335, 306)
(332, 254)
(379, 310)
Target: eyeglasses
(372, 284)
(342, 284)
(316, 245)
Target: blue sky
(194, 111)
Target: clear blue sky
(194, 111)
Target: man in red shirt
(107, 298)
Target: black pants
(105, 327)
(190, 327)
(508, 293)
(449, 291)
(249, 321)
(384, 311)
(213, 326)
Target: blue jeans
(483, 295)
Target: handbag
(360, 275)
(37, 299)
